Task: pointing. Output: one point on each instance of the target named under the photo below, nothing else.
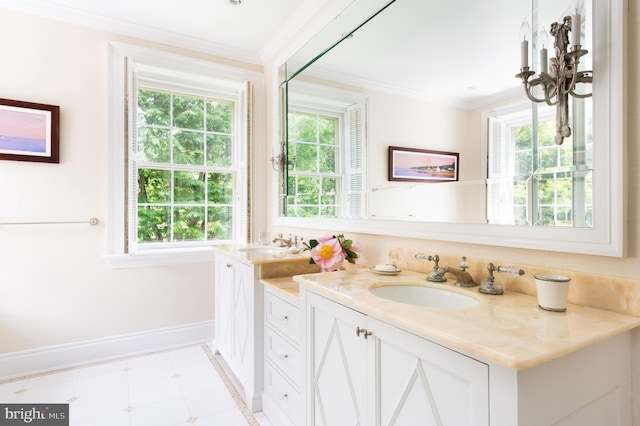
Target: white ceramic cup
(552, 291)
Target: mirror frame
(606, 237)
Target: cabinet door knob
(228, 265)
(363, 330)
(283, 396)
(284, 356)
(284, 318)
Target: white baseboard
(39, 360)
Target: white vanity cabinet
(362, 371)
(239, 335)
(282, 399)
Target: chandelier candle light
(558, 78)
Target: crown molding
(77, 17)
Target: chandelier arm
(574, 79)
(543, 80)
(551, 92)
(527, 91)
(580, 95)
(584, 77)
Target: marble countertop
(260, 254)
(286, 287)
(510, 330)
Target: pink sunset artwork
(22, 130)
(422, 165)
(407, 160)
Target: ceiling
(247, 32)
(464, 53)
(462, 49)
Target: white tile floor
(180, 387)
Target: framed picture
(29, 131)
(420, 165)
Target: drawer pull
(228, 265)
(284, 318)
(283, 396)
(363, 330)
(284, 356)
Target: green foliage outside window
(555, 189)
(314, 181)
(185, 181)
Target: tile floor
(182, 387)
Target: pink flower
(328, 254)
(326, 238)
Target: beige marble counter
(510, 330)
(286, 287)
(272, 261)
(258, 254)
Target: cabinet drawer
(283, 393)
(283, 316)
(284, 355)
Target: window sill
(164, 257)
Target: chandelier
(558, 78)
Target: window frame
(340, 103)
(172, 167)
(340, 168)
(513, 117)
(180, 69)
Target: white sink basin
(424, 296)
(264, 250)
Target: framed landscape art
(420, 165)
(29, 131)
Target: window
(179, 142)
(186, 176)
(315, 180)
(531, 180)
(326, 143)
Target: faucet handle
(435, 258)
(463, 263)
(510, 270)
(437, 275)
(490, 286)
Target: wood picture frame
(29, 131)
(421, 165)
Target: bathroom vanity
(239, 309)
(322, 348)
(504, 361)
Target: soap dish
(373, 269)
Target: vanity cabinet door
(420, 382)
(243, 314)
(338, 361)
(225, 299)
(239, 304)
(391, 377)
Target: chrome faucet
(464, 279)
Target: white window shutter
(499, 174)
(131, 161)
(356, 161)
(243, 183)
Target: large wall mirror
(438, 78)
